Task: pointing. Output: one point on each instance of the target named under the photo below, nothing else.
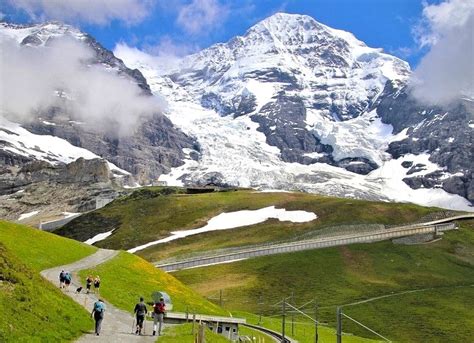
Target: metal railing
(246, 253)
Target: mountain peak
(38, 34)
(294, 29)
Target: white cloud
(91, 11)
(202, 15)
(32, 76)
(169, 47)
(446, 72)
(162, 56)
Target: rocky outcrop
(283, 123)
(443, 132)
(81, 171)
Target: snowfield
(232, 220)
(28, 215)
(44, 147)
(99, 237)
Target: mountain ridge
(325, 112)
(295, 105)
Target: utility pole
(220, 298)
(315, 322)
(293, 314)
(339, 325)
(260, 303)
(283, 321)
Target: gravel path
(117, 324)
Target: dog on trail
(79, 289)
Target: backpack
(140, 308)
(159, 308)
(98, 307)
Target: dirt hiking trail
(117, 324)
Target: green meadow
(153, 213)
(32, 309)
(441, 273)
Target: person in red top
(158, 314)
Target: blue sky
(184, 26)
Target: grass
(254, 335)
(32, 309)
(342, 275)
(151, 214)
(183, 334)
(127, 277)
(303, 329)
(442, 315)
(39, 249)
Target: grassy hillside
(127, 277)
(33, 310)
(41, 250)
(152, 213)
(342, 275)
(301, 330)
(183, 334)
(40, 312)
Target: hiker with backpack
(89, 281)
(62, 278)
(140, 311)
(67, 280)
(158, 315)
(98, 312)
(97, 284)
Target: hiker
(97, 284)
(89, 281)
(98, 312)
(158, 314)
(62, 278)
(140, 311)
(67, 280)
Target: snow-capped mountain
(290, 105)
(294, 104)
(154, 147)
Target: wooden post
(194, 322)
(339, 325)
(201, 334)
(293, 314)
(315, 322)
(283, 321)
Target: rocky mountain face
(445, 133)
(47, 191)
(154, 147)
(295, 104)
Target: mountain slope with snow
(290, 105)
(294, 104)
(145, 146)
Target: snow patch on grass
(99, 237)
(232, 220)
(28, 215)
